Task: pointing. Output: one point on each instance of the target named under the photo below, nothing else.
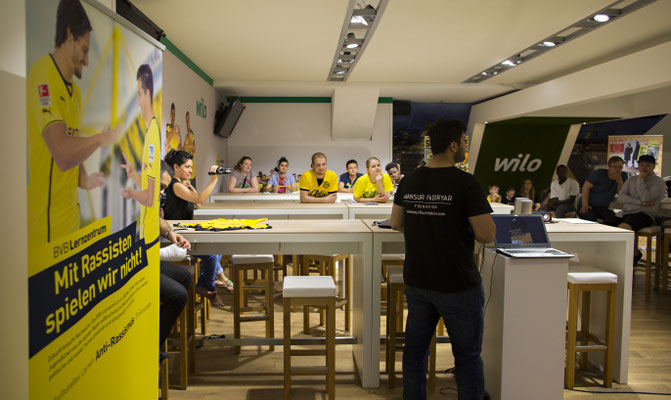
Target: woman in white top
(242, 178)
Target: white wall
(267, 131)
(184, 87)
(14, 275)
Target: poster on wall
(630, 148)
(93, 92)
(177, 140)
(463, 165)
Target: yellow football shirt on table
(151, 170)
(364, 188)
(309, 183)
(53, 205)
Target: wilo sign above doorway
(522, 148)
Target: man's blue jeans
(463, 314)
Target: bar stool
(310, 290)
(180, 334)
(665, 257)
(586, 279)
(242, 264)
(163, 371)
(328, 264)
(388, 260)
(648, 233)
(395, 296)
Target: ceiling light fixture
(360, 22)
(579, 28)
(601, 18)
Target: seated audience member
(318, 185)
(494, 196)
(509, 198)
(281, 182)
(179, 204)
(527, 190)
(640, 197)
(563, 192)
(374, 185)
(394, 170)
(349, 178)
(600, 189)
(242, 178)
(174, 284)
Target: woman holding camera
(180, 198)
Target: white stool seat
(396, 278)
(393, 257)
(394, 270)
(650, 230)
(586, 274)
(308, 286)
(253, 259)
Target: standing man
(148, 180)
(173, 136)
(600, 189)
(627, 154)
(56, 151)
(634, 156)
(442, 210)
(318, 185)
(563, 192)
(640, 197)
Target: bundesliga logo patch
(43, 94)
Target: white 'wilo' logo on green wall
(201, 109)
(521, 164)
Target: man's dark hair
(615, 159)
(562, 167)
(444, 132)
(146, 79)
(352, 161)
(71, 15)
(318, 154)
(390, 165)
(167, 168)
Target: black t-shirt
(439, 239)
(176, 207)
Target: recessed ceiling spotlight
(352, 46)
(357, 19)
(601, 18)
(340, 72)
(508, 63)
(548, 44)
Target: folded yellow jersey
(222, 224)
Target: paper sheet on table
(574, 220)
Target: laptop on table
(524, 236)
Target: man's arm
(342, 189)
(70, 151)
(484, 228)
(586, 188)
(144, 197)
(625, 197)
(176, 238)
(88, 182)
(306, 198)
(397, 218)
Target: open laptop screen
(520, 231)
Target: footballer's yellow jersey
(309, 183)
(364, 188)
(174, 141)
(53, 205)
(151, 169)
(190, 147)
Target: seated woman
(180, 198)
(242, 178)
(281, 182)
(375, 185)
(348, 179)
(527, 190)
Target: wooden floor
(257, 374)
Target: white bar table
(605, 247)
(316, 237)
(378, 211)
(525, 321)
(272, 210)
(263, 197)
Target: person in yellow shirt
(173, 136)
(375, 185)
(318, 185)
(189, 141)
(56, 150)
(148, 180)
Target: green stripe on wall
(186, 60)
(381, 100)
